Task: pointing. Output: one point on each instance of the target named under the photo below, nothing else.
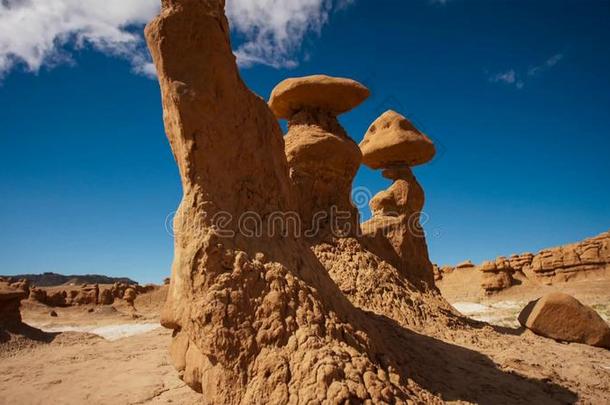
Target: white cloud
(512, 77)
(549, 63)
(37, 33)
(273, 30)
(34, 33)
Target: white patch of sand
(469, 308)
(502, 313)
(108, 332)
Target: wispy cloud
(274, 30)
(508, 77)
(35, 33)
(512, 77)
(549, 63)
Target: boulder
(392, 140)
(562, 317)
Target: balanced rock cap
(393, 141)
(333, 94)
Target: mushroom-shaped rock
(562, 317)
(392, 140)
(335, 95)
(322, 158)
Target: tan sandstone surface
(268, 317)
(265, 314)
(562, 317)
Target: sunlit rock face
(322, 158)
(261, 316)
(392, 143)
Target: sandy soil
(106, 354)
(120, 360)
(89, 369)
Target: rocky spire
(392, 143)
(323, 159)
(256, 317)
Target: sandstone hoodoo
(393, 144)
(269, 318)
(562, 317)
(11, 294)
(322, 158)
(262, 317)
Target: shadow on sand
(455, 373)
(8, 332)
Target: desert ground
(119, 354)
(112, 354)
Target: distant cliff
(588, 259)
(54, 279)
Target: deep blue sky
(87, 177)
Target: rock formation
(54, 299)
(258, 316)
(11, 294)
(87, 294)
(562, 317)
(589, 259)
(130, 295)
(322, 158)
(392, 143)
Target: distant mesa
(50, 279)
